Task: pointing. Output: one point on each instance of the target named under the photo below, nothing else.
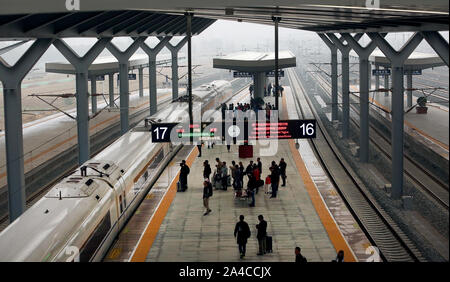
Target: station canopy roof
(102, 18)
(416, 61)
(109, 64)
(254, 61)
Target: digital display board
(237, 131)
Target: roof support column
(93, 93)
(141, 81)
(345, 64)
(123, 58)
(277, 86)
(377, 79)
(397, 59)
(386, 83)
(152, 53)
(334, 82)
(81, 65)
(11, 77)
(111, 89)
(364, 66)
(189, 59)
(259, 79)
(409, 91)
(174, 51)
(438, 43)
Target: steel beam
(174, 51)
(397, 59)
(123, 59)
(409, 91)
(277, 86)
(141, 81)
(151, 53)
(345, 64)
(377, 79)
(386, 83)
(11, 78)
(438, 43)
(93, 93)
(111, 89)
(81, 65)
(364, 66)
(334, 82)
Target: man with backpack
(207, 193)
(242, 232)
(206, 170)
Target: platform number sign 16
(308, 129)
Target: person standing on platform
(224, 175)
(242, 170)
(233, 172)
(339, 257)
(199, 147)
(299, 258)
(249, 168)
(184, 171)
(258, 161)
(257, 177)
(251, 187)
(207, 193)
(269, 89)
(237, 185)
(261, 235)
(283, 166)
(274, 178)
(242, 233)
(206, 170)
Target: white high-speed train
(78, 219)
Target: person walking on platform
(207, 193)
(206, 170)
(274, 178)
(299, 258)
(242, 233)
(261, 235)
(283, 166)
(184, 171)
(233, 172)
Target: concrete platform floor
(187, 235)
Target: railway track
(378, 226)
(414, 171)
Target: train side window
(124, 200)
(120, 202)
(96, 238)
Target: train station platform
(187, 235)
(431, 128)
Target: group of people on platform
(269, 90)
(253, 171)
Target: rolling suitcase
(268, 244)
(179, 187)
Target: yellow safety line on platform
(328, 222)
(156, 220)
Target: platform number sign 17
(161, 132)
